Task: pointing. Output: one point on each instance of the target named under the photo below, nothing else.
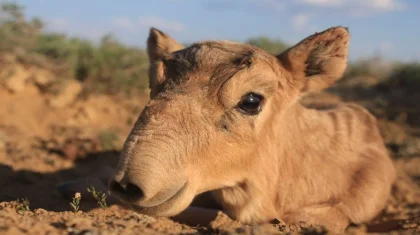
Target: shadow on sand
(41, 188)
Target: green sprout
(75, 204)
(99, 196)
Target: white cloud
(160, 23)
(341, 7)
(75, 29)
(385, 47)
(384, 5)
(132, 25)
(246, 5)
(324, 3)
(274, 5)
(57, 23)
(300, 21)
(357, 7)
(124, 23)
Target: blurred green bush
(405, 75)
(109, 67)
(274, 46)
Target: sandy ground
(42, 146)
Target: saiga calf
(225, 118)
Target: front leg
(327, 215)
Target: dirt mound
(43, 144)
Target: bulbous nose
(128, 192)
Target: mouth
(169, 207)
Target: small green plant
(23, 205)
(75, 204)
(99, 196)
(50, 162)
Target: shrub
(109, 67)
(269, 45)
(406, 75)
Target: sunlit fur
(289, 162)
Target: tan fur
(159, 44)
(289, 162)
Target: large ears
(318, 60)
(158, 45)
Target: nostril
(130, 191)
(114, 186)
(133, 192)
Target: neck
(296, 128)
(304, 140)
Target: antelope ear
(319, 60)
(158, 45)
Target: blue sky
(386, 27)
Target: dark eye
(251, 103)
